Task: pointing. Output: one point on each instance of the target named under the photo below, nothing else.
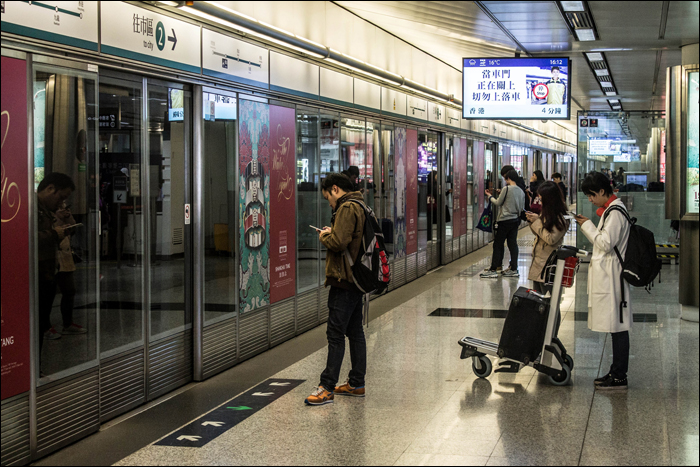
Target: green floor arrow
(242, 407)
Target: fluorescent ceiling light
(610, 93)
(603, 72)
(605, 84)
(595, 57)
(608, 50)
(585, 34)
(572, 6)
(614, 101)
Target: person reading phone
(344, 299)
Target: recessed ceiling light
(585, 34)
(602, 72)
(614, 101)
(595, 57)
(605, 84)
(610, 93)
(572, 6)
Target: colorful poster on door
(463, 185)
(456, 189)
(282, 204)
(400, 193)
(692, 192)
(254, 205)
(15, 230)
(411, 191)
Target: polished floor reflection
(424, 405)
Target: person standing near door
(511, 202)
(344, 299)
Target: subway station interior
(167, 304)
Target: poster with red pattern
(15, 230)
(411, 191)
(463, 185)
(282, 205)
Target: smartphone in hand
(69, 227)
(316, 228)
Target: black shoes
(613, 384)
(602, 379)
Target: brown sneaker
(347, 390)
(319, 397)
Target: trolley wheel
(564, 378)
(568, 360)
(486, 366)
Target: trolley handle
(567, 251)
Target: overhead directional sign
(139, 34)
(69, 23)
(231, 59)
(215, 423)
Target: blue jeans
(345, 319)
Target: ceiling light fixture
(585, 34)
(572, 6)
(602, 72)
(595, 57)
(611, 93)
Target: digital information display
(516, 88)
(604, 147)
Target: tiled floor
(424, 405)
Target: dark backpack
(640, 265)
(370, 270)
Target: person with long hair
(549, 228)
(536, 179)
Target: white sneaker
(488, 274)
(52, 334)
(511, 273)
(74, 329)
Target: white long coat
(604, 294)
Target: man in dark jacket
(53, 190)
(344, 300)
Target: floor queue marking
(217, 422)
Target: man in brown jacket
(344, 300)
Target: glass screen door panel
(121, 211)
(387, 211)
(169, 124)
(330, 163)
(220, 204)
(65, 160)
(449, 184)
(308, 188)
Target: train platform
(425, 406)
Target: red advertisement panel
(15, 230)
(456, 190)
(463, 185)
(282, 204)
(411, 191)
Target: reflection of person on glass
(66, 270)
(52, 192)
(557, 88)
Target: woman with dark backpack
(608, 311)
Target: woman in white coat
(607, 312)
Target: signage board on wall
(282, 204)
(15, 230)
(393, 102)
(68, 23)
(228, 58)
(135, 33)
(411, 191)
(516, 88)
(692, 146)
(453, 117)
(436, 113)
(416, 108)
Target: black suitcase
(388, 230)
(526, 323)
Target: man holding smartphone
(344, 300)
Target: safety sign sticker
(223, 418)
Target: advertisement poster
(254, 196)
(456, 190)
(411, 192)
(400, 193)
(480, 183)
(520, 88)
(693, 141)
(463, 184)
(282, 205)
(662, 158)
(15, 230)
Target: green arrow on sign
(242, 407)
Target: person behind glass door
(511, 202)
(66, 272)
(606, 310)
(52, 192)
(536, 179)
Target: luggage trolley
(553, 359)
